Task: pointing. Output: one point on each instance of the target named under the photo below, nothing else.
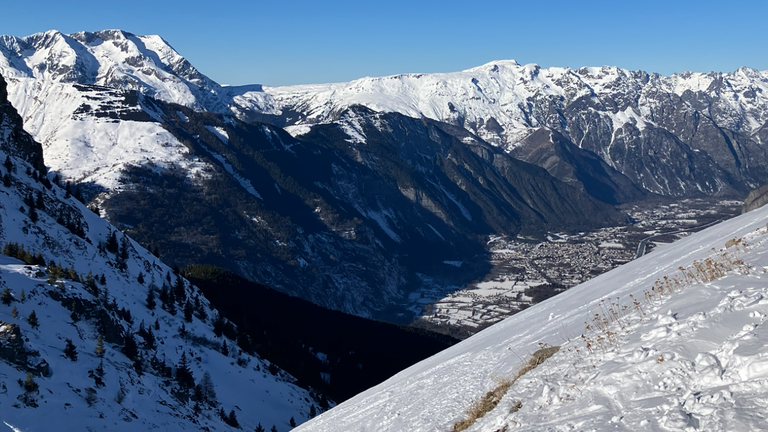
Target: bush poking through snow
(493, 397)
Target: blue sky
(279, 42)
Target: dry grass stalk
(493, 397)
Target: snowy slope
(672, 135)
(504, 90)
(695, 359)
(71, 235)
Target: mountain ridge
(97, 332)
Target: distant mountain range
(375, 182)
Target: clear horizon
(308, 42)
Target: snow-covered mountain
(675, 340)
(109, 58)
(130, 122)
(685, 134)
(682, 135)
(82, 348)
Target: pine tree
(231, 419)
(149, 339)
(22, 296)
(274, 429)
(292, 422)
(32, 319)
(99, 350)
(151, 303)
(70, 351)
(98, 374)
(39, 203)
(32, 213)
(259, 428)
(164, 295)
(178, 290)
(6, 297)
(14, 312)
(188, 311)
(171, 304)
(130, 349)
(122, 256)
(111, 244)
(205, 390)
(312, 411)
(140, 278)
(184, 374)
(224, 348)
(72, 274)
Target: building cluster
(559, 262)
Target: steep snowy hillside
(676, 340)
(641, 124)
(97, 333)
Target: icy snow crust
(695, 361)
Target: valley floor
(556, 264)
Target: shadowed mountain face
(577, 167)
(346, 214)
(14, 140)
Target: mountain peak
(495, 65)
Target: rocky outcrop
(14, 140)
(756, 199)
(577, 167)
(12, 345)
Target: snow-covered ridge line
(695, 359)
(607, 110)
